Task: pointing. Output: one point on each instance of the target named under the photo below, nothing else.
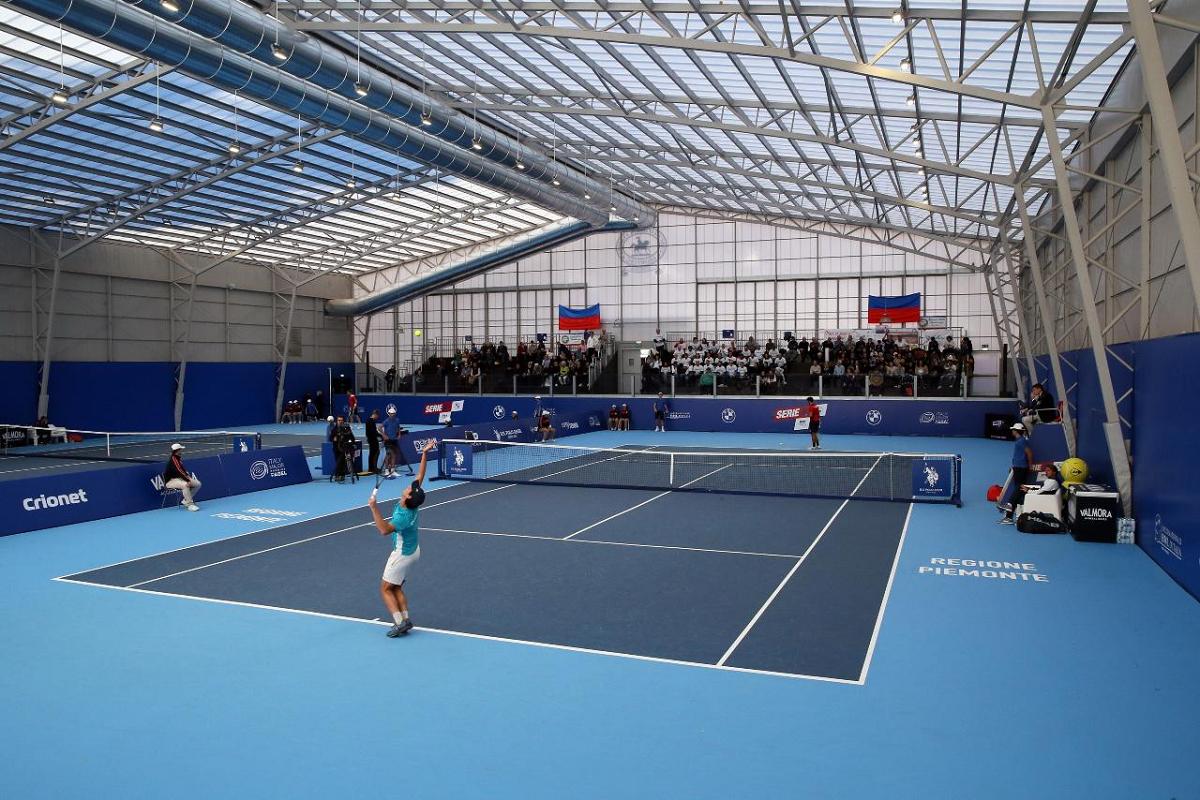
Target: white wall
(709, 275)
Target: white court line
(618, 544)
(796, 566)
(481, 636)
(887, 593)
(248, 555)
(255, 531)
(644, 502)
(779, 588)
(48, 466)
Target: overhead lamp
(521, 165)
(360, 90)
(426, 119)
(278, 52)
(235, 148)
(906, 64)
(911, 100)
(637, 219)
(476, 144)
(298, 167)
(352, 184)
(612, 208)
(60, 96)
(156, 125)
(169, 5)
(555, 181)
(898, 16)
(587, 195)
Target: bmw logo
(874, 416)
(498, 412)
(258, 470)
(927, 417)
(728, 415)
(391, 409)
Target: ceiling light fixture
(360, 89)
(906, 64)
(476, 144)
(521, 165)
(235, 148)
(911, 100)
(426, 119)
(298, 167)
(60, 96)
(898, 16)
(156, 125)
(278, 52)
(169, 5)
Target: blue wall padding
(120, 396)
(228, 395)
(140, 396)
(18, 392)
(1166, 443)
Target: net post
(108, 444)
(671, 476)
(891, 476)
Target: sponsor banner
(48, 501)
(876, 416)
(444, 407)
(933, 479)
(459, 460)
(788, 413)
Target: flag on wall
(904, 308)
(579, 319)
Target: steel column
(1112, 426)
(1039, 292)
(1166, 132)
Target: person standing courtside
(391, 442)
(373, 442)
(814, 423)
(1022, 462)
(176, 476)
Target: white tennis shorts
(398, 566)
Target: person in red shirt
(352, 403)
(814, 424)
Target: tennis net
(868, 476)
(79, 445)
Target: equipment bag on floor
(1039, 522)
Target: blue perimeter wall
(1159, 417)
(140, 396)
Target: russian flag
(905, 308)
(579, 319)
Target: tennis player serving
(405, 548)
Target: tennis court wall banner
(883, 416)
(64, 499)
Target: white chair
(58, 433)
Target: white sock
(404, 614)
(398, 617)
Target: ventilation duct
(523, 245)
(229, 44)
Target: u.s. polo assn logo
(459, 458)
(931, 477)
(728, 415)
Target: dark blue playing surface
(639, 573)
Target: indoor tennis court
(599, 399)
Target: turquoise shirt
(404, 538)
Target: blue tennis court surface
(772, 584)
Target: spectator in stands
(964, 346)
(1021, 463)
(623, 418)
(373, 442)
(176, 476)
(1039, 408)
(389, 378)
